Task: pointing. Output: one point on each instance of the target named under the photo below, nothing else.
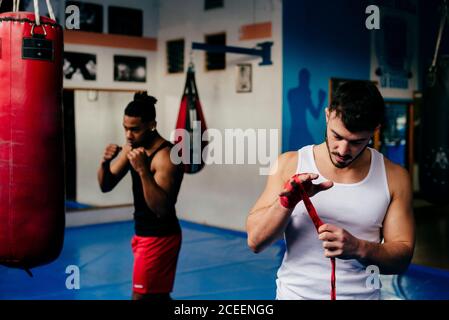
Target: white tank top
(359, 208)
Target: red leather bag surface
(31, 141)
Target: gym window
(175, 56)
(216, 61)
(213, 4)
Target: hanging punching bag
(434, 167)
(31, 140)
(191, 119)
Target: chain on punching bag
(434, 167)
(31, 139)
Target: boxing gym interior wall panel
(105, 47)
(221, 195)
(394, 50)
(91, 138)
(322, 39)
(105, 77)
(97, 124)
(148, 7)
(110, 40)
(256, 31)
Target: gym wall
(232, 189)
(324, 40)
(98, 123)
(221, 195)
(99, 114)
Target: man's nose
(343, 148)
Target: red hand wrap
(317, 222)
(289, 202)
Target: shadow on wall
(300, 104)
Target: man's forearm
(266, 225)
(105, 177)
(155, 197)
(391, 258)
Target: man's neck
(321, 153)
(154, 143)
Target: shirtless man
(155, 184)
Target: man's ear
(153, 125)
(326, 111)
(377, 129)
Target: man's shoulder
(395, 170)
(397, 176)
(287, 163)
(163, 157)
(288, 156)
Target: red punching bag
(31, 140)
(191, 119)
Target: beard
(346, 164)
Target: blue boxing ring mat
(214, 264)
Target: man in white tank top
(364, 200)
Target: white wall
(221, 195)
(97, 124)
(105, 55)
(105, 69)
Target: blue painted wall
(324, 39)
(321, 39)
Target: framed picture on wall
(244, 78)
(130, 69)
(80, 66)
(91, 16)
(125, 21)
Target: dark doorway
(70, 143)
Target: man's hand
(338, 243)
(126, 148)
(110, 153)
(290, 196)
(137, 158)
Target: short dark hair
(143, 106)
(359, 104)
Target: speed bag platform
(32, 217)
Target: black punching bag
(434, 166)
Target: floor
(214, 264)
(432, 235)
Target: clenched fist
(137, 158)
(111, 152)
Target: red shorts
(155, 260)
